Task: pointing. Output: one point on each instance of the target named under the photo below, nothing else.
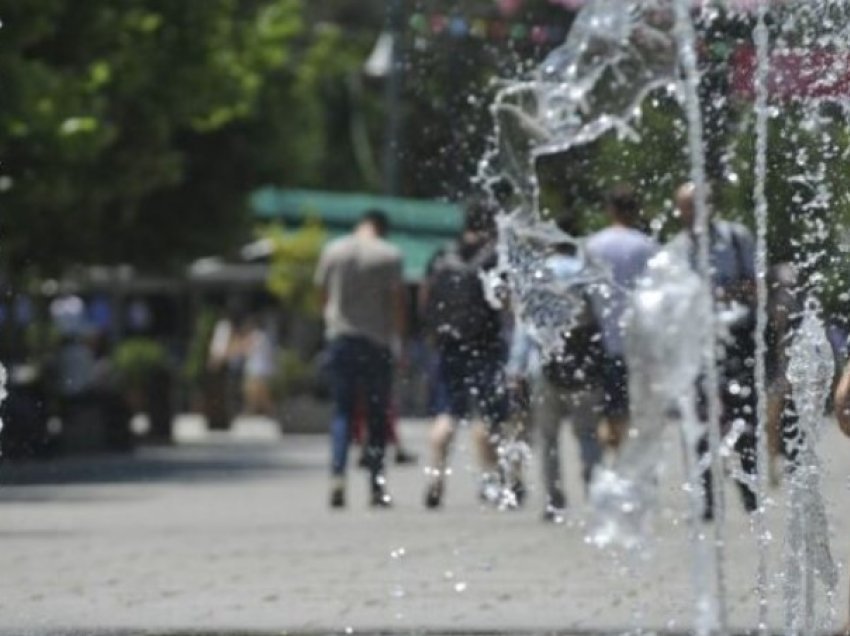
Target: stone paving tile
(233, 531)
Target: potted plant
(144, 369)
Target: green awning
(418, 227)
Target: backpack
(578, 366)
(457, 307)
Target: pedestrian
(624, 251)
(732, 272)
(259, 369)
(360, 276)
(468, 336)
(565, 386)
(223, 390)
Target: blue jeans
(361, 374)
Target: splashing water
(617, 53)
(669, 359)
(808, 555)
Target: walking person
(732, 263)
(360, 276)
(259, 370)
(625, 251)
(468, 336)
(565, 387)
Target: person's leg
(344, 391)
(488, 389)
(402, 454)
(377, 377)
(547, 411)
(486, 441)
(585, 410)
(440, 437)
(707, 482)
(616, 402)
(746, 447)
(740, 406)
(775, 406)
(449, 404)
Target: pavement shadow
(190, 463)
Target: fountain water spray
(760, 36)
(661, 343)
(617, 53)
(808, 556)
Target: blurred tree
(114, 121)
(295, 254)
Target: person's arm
(517, 365)
(842, 401)
(745, 290)
(399, 300)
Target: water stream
(617, 53)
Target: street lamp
(385, 62)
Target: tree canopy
(118, 124)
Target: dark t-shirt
(457, 309)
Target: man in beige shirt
(363, 293)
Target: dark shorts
(470, 381)
(615, 387)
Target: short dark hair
(623, 202)
(479, 215)
(378, 219)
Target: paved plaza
(232, 531)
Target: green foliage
(196, 356)
(137, 359)
(652, 158)
(808, 196)
(294, 375)
(294, 257)
(102, 109)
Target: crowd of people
(491, 372)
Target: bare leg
(442, 433)
(486, 446)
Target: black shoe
(338, 497)
(434, 495)
(363, 462)
(708, 515)
(556, 506)
(519, 493)
(380, 497)
(403, 456)
(748, 498)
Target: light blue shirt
(625, 252)
(525, 357)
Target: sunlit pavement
(232, 531)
